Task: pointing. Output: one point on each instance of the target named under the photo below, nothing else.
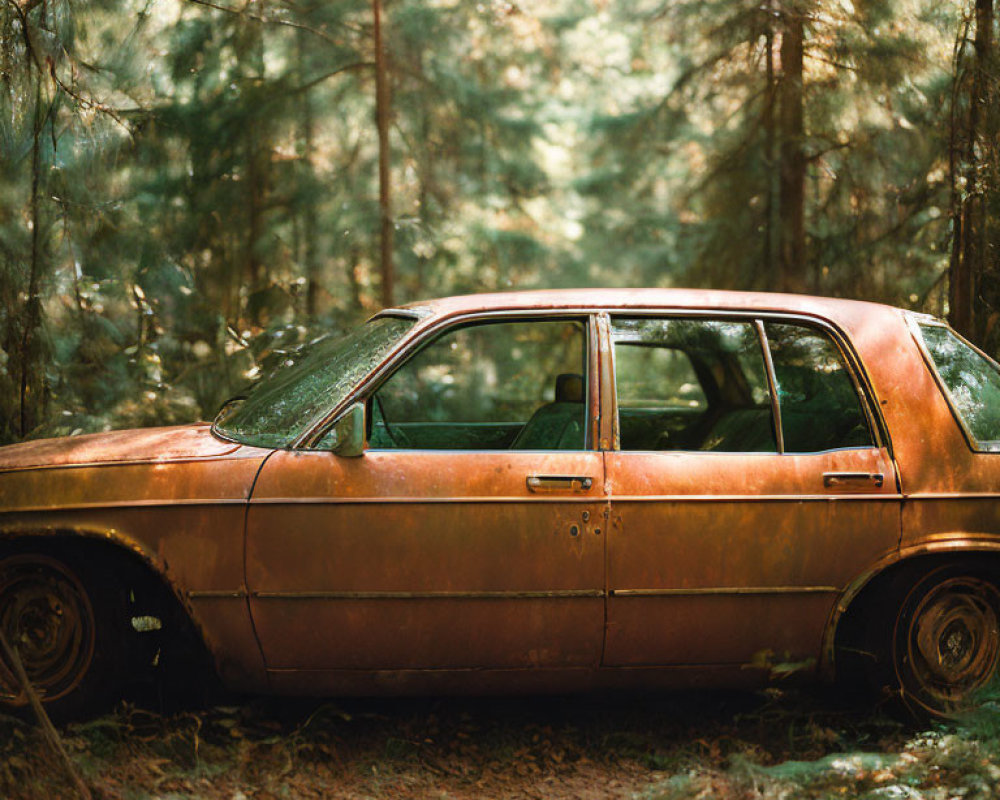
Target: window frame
(914, 321)
(429, 336)
(859, 379)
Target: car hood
(176, 443)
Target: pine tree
(974, 276)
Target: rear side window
(820, 406)
(656, 377)
(703, 384)
(691, 384)
(972, 382)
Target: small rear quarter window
(972, 382)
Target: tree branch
(51, 734)
(86, 102)
(305, 87)
(22, 14)
(287, 23)
(830, 61)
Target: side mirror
(347, 436)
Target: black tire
(945, 640)
(68, 629)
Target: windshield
(284, 406)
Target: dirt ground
(662, 747)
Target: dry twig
(48, 729)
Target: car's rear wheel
(946, 640)
(64, 629)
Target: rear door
(750, 484)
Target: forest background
(191, 189)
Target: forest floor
(664, 746)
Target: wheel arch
(909, 562)
(75, 540)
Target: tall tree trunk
(989, 284)
(969, 252)
(33, 311)
(423, 198)
(310, 226)
(792, 170)
(771, 264)
(256, 188)
(258, 181)
(382, 101)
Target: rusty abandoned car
(536, 491)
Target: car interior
(682, 385)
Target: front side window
(820, 406)
(972, 382)
(691, 384)
(517, 385)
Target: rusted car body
(686, 540)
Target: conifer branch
(305, 87)
(22, 14)
(287, 23)
(86, 102)
(832, 62)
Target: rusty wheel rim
(953, 640)
(47, 618)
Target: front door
(750, 485)
(464, 537)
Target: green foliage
(188, 189)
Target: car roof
(710, 299)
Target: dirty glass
(510, 385)
(283, 407)
(691, 384)
(820, 406)
(972, 381)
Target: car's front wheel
(63, 626)
(946, 640)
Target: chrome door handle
(557, 483)
(833, 479)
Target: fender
(952, 543)
(119, 539)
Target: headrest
(569, 388)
